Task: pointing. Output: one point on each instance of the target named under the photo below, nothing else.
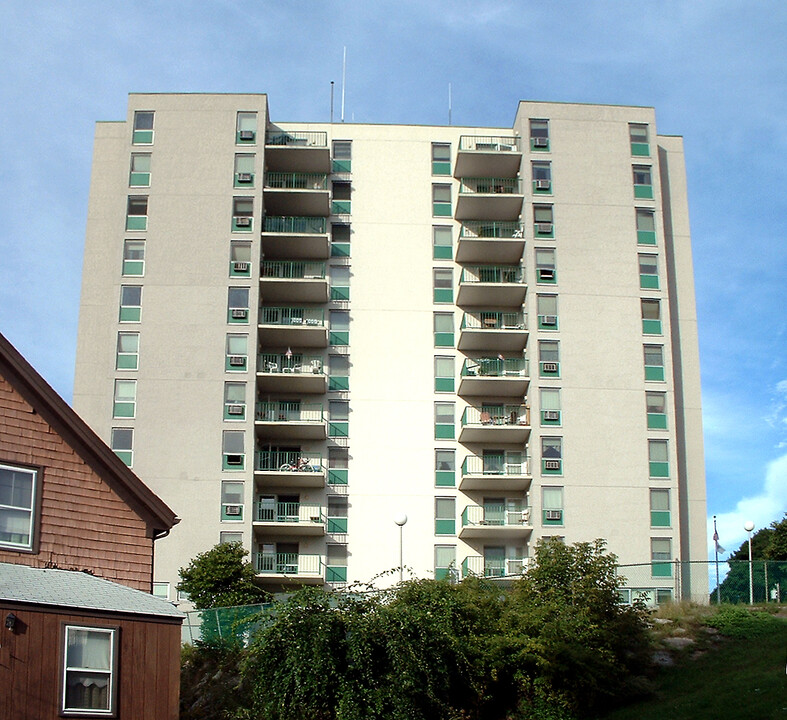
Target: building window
(552, 506)
(340, 282)
(654, 363)
(246, 128)
(651, 317)
(441, 200)
(341, 198)
(125, 404)
(233, 450)
(338, 418)
(660, 507)
(443, 329)
(127, 351)
(443, 285)
(340, 240)
(134, 257)
(234, 401)
(445, 516)
(548, 358)
(143, 127)
(338, 463)
(242, 212)
(646, 226)
(232, 500)
(546, 267)
(340, 328)
(240, 259)
(226, 537)
(445, 562)
(656, 403)
(539, 135)
(337, 514)
(661, 557)
(18, 488)
(547, 312)
(130, 303)
(442, 243)
(444, 374)
(122, 444)
(542, 178)
(89, 671)
(336, 562)
(137, 213)
(161, 590)
(238, 305)
(543, 221)
(551, 456)
(342, 156)
(550, 406)
(658, 458)
(338, 373)
(243, 176)
(236, 353)
(638, 137)
(648, 272)
(445, 468)
(441, 159)
(643, 182)
(444, 421)
(139, 174)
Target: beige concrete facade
(335, 521)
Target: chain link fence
(227, 623)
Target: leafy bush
(739, 622)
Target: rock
(678, 642)
(663, 659)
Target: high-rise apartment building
(295, 332)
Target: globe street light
(400, 520)
(748, 526)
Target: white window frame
(4, 508)
(111, 673)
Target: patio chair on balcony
(486, 417)
(272, 367)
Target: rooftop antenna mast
(449, 103)
(331, 102)
(344, 75)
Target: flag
(719, 548)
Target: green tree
(777, 547)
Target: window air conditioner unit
(240, 313)
(234, 459)
(540, 142)
(549, 367)
(244, 177)
(240, 266)
(232, 510)
(552, 464)
(247, 134)
(237, 360)
(551, 415)
(243, 221)
(546, 273)
(544, 228)
(234, 409)
(549, 319)
(543, 184)
(554, 514)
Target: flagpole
(716, 549)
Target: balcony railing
(289, 512)
(289, 461)
(291, 412)
(493, 320)
(280, 363)
(491, 186)
(296, 139)
(481, 229)
(498, 465)
(495, 367)
(491, 415)
(292, 270)
(489, 143)
(495, 516)
(288, 564)
(295, 225)
(292, 316)
(502, 274)
(488, 567)
(296, 181)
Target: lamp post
(400, 520)
(748, 526)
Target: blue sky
(715, 70)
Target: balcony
(487, 241)
(489, 198)
(288, 326)
(502, 285)
(494, 377)
(495, 522)
(297, 151)
(495, 472)
(493, 330)
(485, 155)
(295, 237)
(288, 518)
(296, 193)
(480, 566)
(293, 373)
(286, 568)
(284, 420)
(492, 423)
(293, 281)
(291, 469)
